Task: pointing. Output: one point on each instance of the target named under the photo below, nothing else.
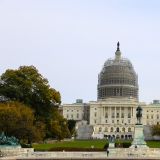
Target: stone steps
(84, 132)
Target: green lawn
(153, 144)
(72, 144)
(99, 144)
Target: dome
(117, 78)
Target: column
(120, 115)
(115, 114)
(110, 114)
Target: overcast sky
(68, 41)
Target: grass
(72, 144)
(153, 144)
(84, 144)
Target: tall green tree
(58, 126)
(27, 85)
(16, 119)
(156, 130)
(71, 126)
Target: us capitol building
(114, 112)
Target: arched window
(123, 129)
(117, 129)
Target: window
(100, 129)
(117, 121)
(112, 115)
(129, 121)
(117, 129)
(106, 129)
(147, 116)
(117, 115)
(111, 129)
(95, 121)
(71, 115)
(157, 116)
(122, 115)
(123, 129)
(106, 115)
(77, 115)
(129, 115)
(151, 116)
(112, 121)
(95, 114)
(106, 121)
(67, 116)
(129, 129)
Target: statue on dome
(118, 44)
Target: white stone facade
(113, 117)
(114, 113)
(152, 114)
(73, 111)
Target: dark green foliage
(71, 126)
(76, 149)
(119, 144)
(58, 126)
(27, 85)
(123, 144)
(156, 130)
(106, 145)
(17, 120)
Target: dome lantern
(117, 78)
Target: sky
(68, 41)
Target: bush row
(76, 149)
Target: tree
(58, 126)
(28, 86)
(156, 130)
(16, 119)
(71, 126)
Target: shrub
(76, 149)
